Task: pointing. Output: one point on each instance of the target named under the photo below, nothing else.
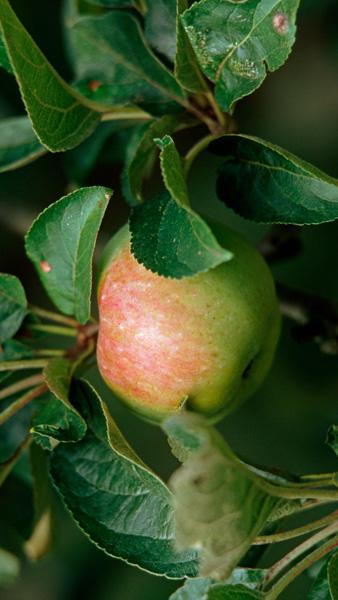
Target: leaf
(18, 143)
(39, 541)
(172, 240)
(320, 589)
(9, 567)
(230, 504)
(199, 587)
(232, 592)
(122, 506)
(13, 350)
(193, 589)
(332, 572)
(13, 306)
(332, 438)
(141, 154)
(160, 26)
(172, 170)
(267, 184)
(4, 61)
(236, 43)
(187, 70)
(7, 465)
(61, 118)
(114, 65)
(57, 418)
(61, 243)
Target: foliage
(144, 71)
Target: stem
(52, 316)
(279, 566)
(288, 535)
(196, 149)
(304, 564)
(13, 408)
(49, 352)
(136, 116)
(141, 6)
(17, 365)
(20, 385)
(320, 477)
(221, 118)
(55, 330)
(6, 467)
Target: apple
(204, 342)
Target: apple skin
(204, 342)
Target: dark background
(285, 423)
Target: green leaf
(230, 505)
(232, 592)
(9, 567)
(61, 243)
(199, 587)
(172, 170)
(4, 61)
(332, 438)
(187, 70)
(141, 154)
(332, 572)
(7, 465)
(18, 143)
(122, 506)
(236, 43)
(267, 184)
(320, 589)
(58, 419)
(160, 26)
(13, 306)
(114, 64)
(61, 118)
(172, 240)
(193, 589)
(39, 541)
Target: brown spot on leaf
(94, 85)
(45, 266)
(280, 23)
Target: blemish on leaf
(94, 85)
(45, 266)
(280, 23)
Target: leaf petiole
(52, 316)
(288, 535)
(279, 566)
(13, 408)
(304, 564)
(55, 330)
(20, 385)
(17, 365)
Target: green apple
(204, 342)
